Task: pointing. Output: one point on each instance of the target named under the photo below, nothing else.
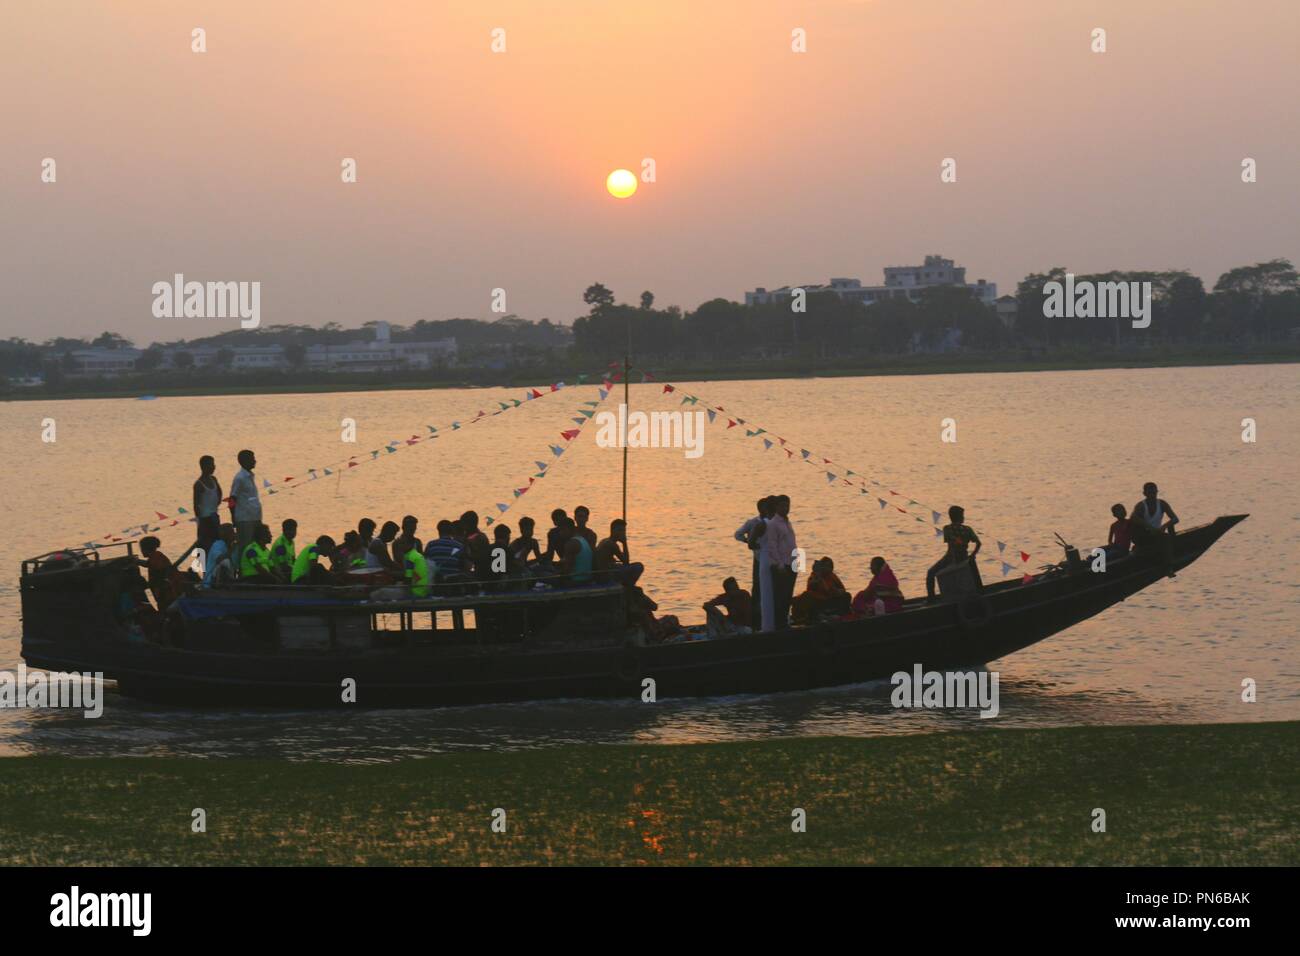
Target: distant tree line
(1256, 304)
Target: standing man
(751, 534)
(779, 543)
(248, 506)
(207, 501)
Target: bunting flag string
(866, 484)
(341, 466)
(570, 435)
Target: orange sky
(481, 170)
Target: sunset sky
(479, 170)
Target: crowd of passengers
(394, 560)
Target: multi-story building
(901, 282)
(99, 362)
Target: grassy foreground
(1214, 794)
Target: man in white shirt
(751, 533)
(779, 544)
(248, 506)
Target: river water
(1035, 453)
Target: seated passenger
(611, 556)
(447, 554)
(736, 601)
(283, 552)
(881, 595)
(525, 547)
(557, 536)
(219, 562)
(1153, 513)
(502, 557)
(824, 594)
(476, 543)
(377, 556)
(416, 568)
(409, 525)
(306, 566)
(255, 562)
(1120, 538)
(351, 556)
(576, 555)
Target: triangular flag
(883, 503)
(1024, 556)
(181, 511)
(571, 434)
(1006, 569)
(328, 472)
(712, 416)
(730, 423)
(804, 452)
(1002, 546)
(936, 516)
(604, 393)
(541, 465)
(1027, 579)
(502, 508)
(557, 450)
(767, 443)
(668, 389)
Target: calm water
(1036, 453)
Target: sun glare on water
(621, 183)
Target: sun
(621, 183)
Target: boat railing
(80, 555)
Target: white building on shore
(907, 282)
(379, 354)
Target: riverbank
(1225, 794)
(298, 383)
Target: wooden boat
(297, 646)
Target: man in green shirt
(255, 560)
(282, 552)
(306, 566)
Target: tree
(647, 300)
(111, 340)
(224, 358)
(295, 353)
(149, 359)
(183, 360)
(598, 297)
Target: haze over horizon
(479, 170)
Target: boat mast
(627, 368)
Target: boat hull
(1002, 619)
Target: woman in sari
(881, 595)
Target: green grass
(1215, 794)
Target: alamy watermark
(934, 690)
(179, 299)
(1087, 299)
(651, 430)
(54, 690)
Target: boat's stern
(73, 603)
